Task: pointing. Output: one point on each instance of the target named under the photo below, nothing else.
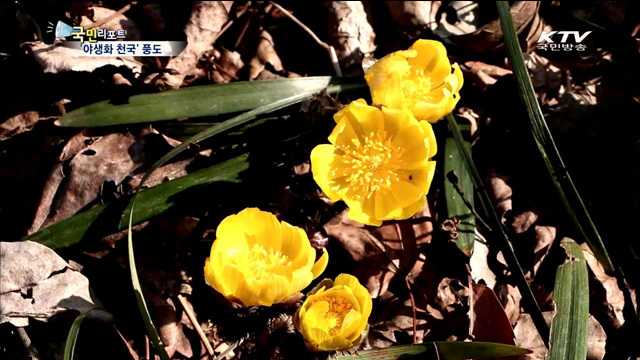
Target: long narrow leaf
(70, 344)
(446, 350)
(531, 305)
(196, 101)
(456, 207)
(214, 130)
(107, 219)
(565, 187)
(571, 296)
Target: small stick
(147, 351)
(196, 325)
(332, 52)
(112, 16)
(28, 345)
(406, 281)
(132, 353)
(413, 308)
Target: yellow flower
(377, 162)
(258, 260)
(334, 315)
(420, 79)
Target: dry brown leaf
(169, 326)
(203, 28)
(265, 54)
(94, 162)
(510, 298)
(500, 192)
(467, 32)
(19, 123)
(73, 146)
(378, 252)
(483, 75)
(490, 322)
(527, 336)
(413, 17)
(543, 72)
(479, 265)
(107, 159)
(606, 299)
(227, 65)
(37, 284)
(596, 340)
(350, 34)
(400, 321)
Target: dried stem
(112, 16)
(413, 308)
(196, 325)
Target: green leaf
(107, 219)
(183, 130)
(142, 304)
(571, 296)
(573, 204)
(445, 350)
(70, 344)
(197, 101)
(456, 207)
(529, 300)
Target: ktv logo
(545, 41)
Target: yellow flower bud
(335, 314)
(377, 162)
(420, 79)
(258, 260)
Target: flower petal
(385, 78)
(322, 157)
(387, 207)
(406, 193)
(352, 325)
(359, 292)
(335, 343)
(430, 140)
(295, 244)
(321, 264)
(432, 57)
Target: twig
(383, 251)
(112, 16)
(132, 353)
(28, 345)
(413, 308)
(471, 300)
(196, 325)
(332, 52)
(406, 281)
(147, 351)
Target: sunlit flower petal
(378, 162)
(258, 260)
(420, 79)
(335, 314)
